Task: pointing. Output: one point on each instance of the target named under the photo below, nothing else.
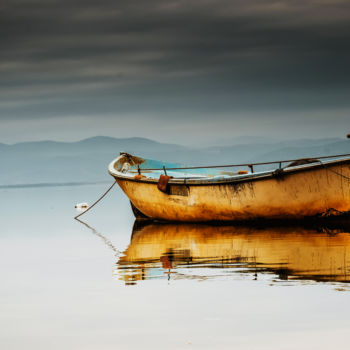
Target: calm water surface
(110, 283)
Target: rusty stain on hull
(293, 195)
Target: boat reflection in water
(202, 251)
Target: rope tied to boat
(99, 199)
(280, 172)
(334, 171)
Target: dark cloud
(204, 57)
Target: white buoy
(81, 206)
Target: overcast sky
(178, 71)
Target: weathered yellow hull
(291, 252)
(298, 192)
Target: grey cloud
(202, 57)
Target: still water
(111, 283)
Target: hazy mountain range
(87, 160)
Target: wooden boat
(290, 252)
(303, 188)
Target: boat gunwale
(258, 176)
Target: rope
(243, 164)
(105, 239)
(76, 217)
(334, 171)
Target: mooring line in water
(76, 217)
(105, 239)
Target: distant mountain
(244, 140)
(87, 160)
(94, 145)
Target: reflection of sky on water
(58, 289)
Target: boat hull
(297, 194)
